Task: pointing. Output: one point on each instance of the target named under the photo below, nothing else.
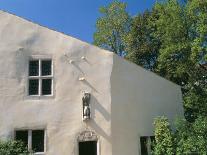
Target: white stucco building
(44, 76)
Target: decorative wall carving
(87, 135)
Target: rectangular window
(40, 80)
(146, 144)
(33, 139)
(38, 140)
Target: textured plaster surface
(60, 115)
(138, 96)
(124, 97)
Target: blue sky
(73, 17)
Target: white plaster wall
(60, 115)
(137, 97)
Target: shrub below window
(13, 148)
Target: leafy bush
(187, 139)
(163, 137)
(13, 148)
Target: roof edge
(132, 63)
(51, 29)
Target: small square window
(34, 140)
(46, 67)
(34, 68)
(33, 86)
(46, 86)
(40, 77)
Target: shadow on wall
(89, 85)
(21, 63)
(96, 106)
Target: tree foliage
(182, 31)
(163, 137)
(141, 46)
(171, 40)
(183, 36)
(188, 138)
(112, 27)
(13, 148)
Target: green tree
(112, 27)
(171, 40)
(191, 137)
(182, 32)
(187, 138)
(196, 94)
(172, 31)
(141, 46)
(13, 148)
(163, 137)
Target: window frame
(40, 77)
(29, 131)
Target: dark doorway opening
(88, 148)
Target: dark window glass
(88, 148)
(143, 141)
(34, 68)
(46, 67)
(22, 136)
(38, 140)
(46, 86)
(152, 138)
(33, 86)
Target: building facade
(62, 96)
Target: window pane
(46, 67)
(22, 136)
(38, 140)
(33, 86)
(143, 141)
(46, 86)
(34, 68)
(152, 138)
